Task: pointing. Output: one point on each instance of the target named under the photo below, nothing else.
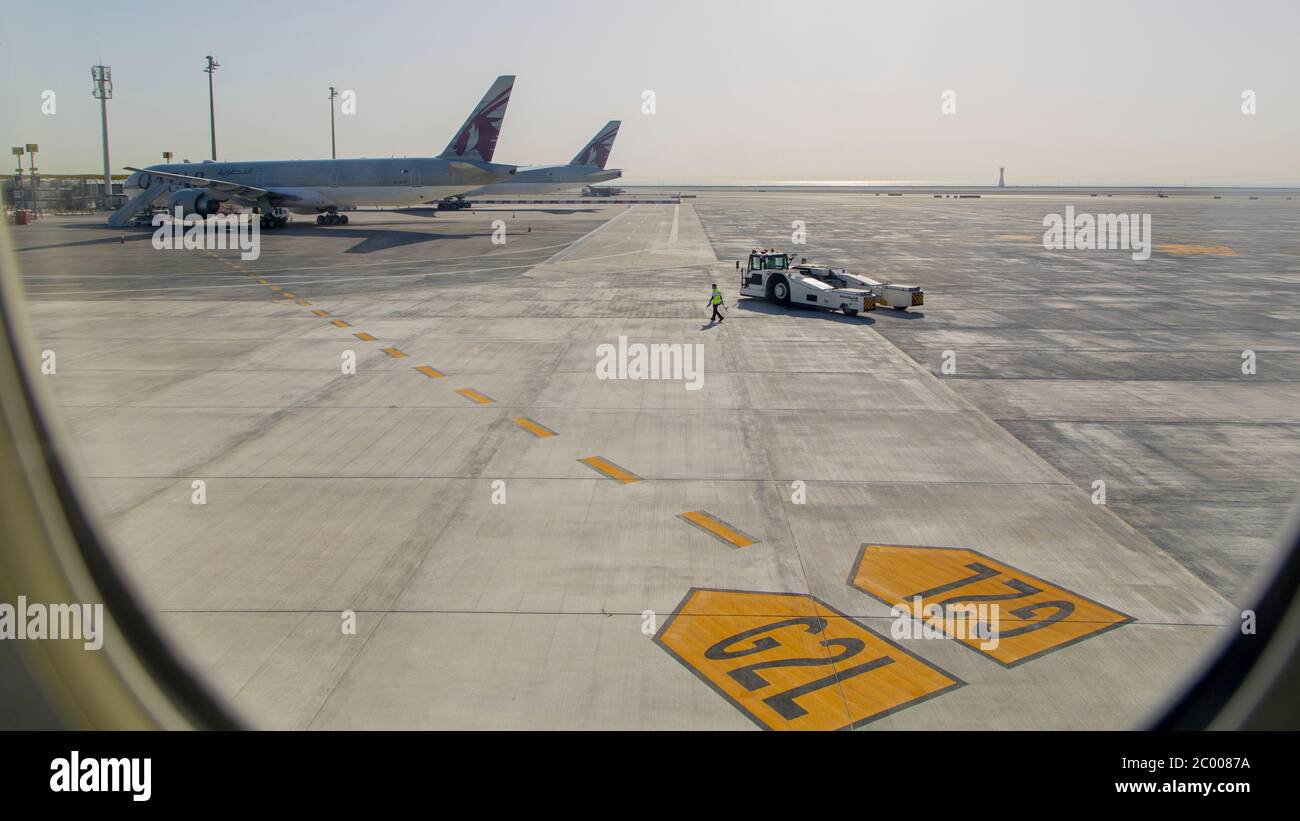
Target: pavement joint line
(535, 428)
(723, 531)
(475, 396)
(872, 617)
(610, 470)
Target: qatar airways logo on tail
(597, 153)
(481, 132)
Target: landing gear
(332, 218)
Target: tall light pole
(18, 177)
(103, 77)
(334, 155)
(32, 148)
(212, 66)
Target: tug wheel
(781, 291)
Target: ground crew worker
(716, 301)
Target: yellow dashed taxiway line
(320, 313)
(538, 430)
(303, 302)
(394, 353)
(432, 373)
(610, 470)
(718, 529)
(363, 336)
(286, 295)
(340, 323)
(1185, 249)
(475, 396)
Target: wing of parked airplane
(229, 189)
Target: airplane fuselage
(315, 185)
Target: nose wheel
(270, 223)
(332, 218)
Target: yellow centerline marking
(340, 323)
(303, 302)
(717, 528)
(320, 313)
(363, 336)
(393, 352)
(286, 295)
(1187, 248)
(275, 287)
(609, 469)
(536, 429)
(475, 396)
(432, 373)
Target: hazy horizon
(761, 92)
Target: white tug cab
(769, 275)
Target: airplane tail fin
(597, 151)
(476, 140)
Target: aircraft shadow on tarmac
(760, 307)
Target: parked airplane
(586, 168)
(322, 187)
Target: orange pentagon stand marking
(1034, 616)
(533, 427)
(610, 470)
(432, 373)
(724, 532)
(789, 661)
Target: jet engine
(193, 201)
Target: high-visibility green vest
(717, 297)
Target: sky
(1139, 92)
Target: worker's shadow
(758, 306)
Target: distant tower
(1002, 176)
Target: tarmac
(523, 539)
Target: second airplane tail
(596, 152)
(477, 138)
